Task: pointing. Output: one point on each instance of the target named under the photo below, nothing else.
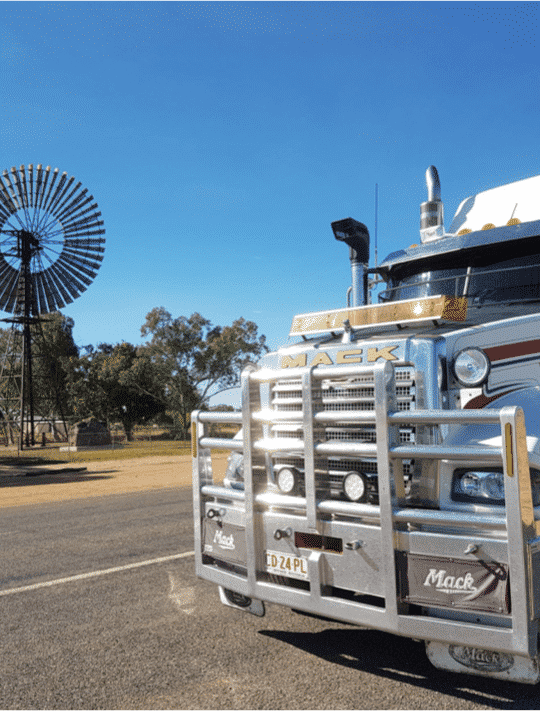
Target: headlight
(234, 476)
(487, 486)
(471, 367)
(354, 486)
(287, 479)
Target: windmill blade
(73, 268)
(39, 183)
(49, 299)
(74, 229)
(55, 193)
(65, 203)
(50, 189)
(6, 277)
(60, 284)
(89, 233)
(5, 197)
(22, 170)
(18, 186)
(31, 183)
(66, 280)
(44, 188)
(75, 208)
(79, 264)
(84, 230)
(4, 211)
(8, 297)
(84, 222)
(93, 243)
(53, 293)
(89, 259)
(40, 291)
(11, 191)
(72, 274)
(66, 184)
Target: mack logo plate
(224, 541)
(448, 582)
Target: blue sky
(221, 139)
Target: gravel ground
(62, 482)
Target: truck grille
(342, 395)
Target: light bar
(432, 308)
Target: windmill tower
(51, 246)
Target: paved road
(147, 634)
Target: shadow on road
(64, 476)
(405, 661)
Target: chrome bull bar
(515, 526)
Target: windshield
(515, 279)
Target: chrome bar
(221, 443)
(520, 525)
(250, 399)
(369, 450)
(413, 417)
(268, 375)
(448, 519)
(309, 450)
(197, 430)
(464, 453)
(223, 417)
(390, 493)
(223, 492)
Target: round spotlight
(286, 480)
(354, 486)
(471, 367)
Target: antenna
(376, 219)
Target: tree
(54, 356)
(197, 359)
(118, 382)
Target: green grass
(51, 454)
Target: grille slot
(343, 395)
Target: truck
(387, 469)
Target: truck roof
(502, 214)
(454, 243)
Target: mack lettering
(349, 356)
(225, 542)
(449, 583)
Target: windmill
(51, 247)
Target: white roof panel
(497, 206)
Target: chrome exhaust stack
(432, 212)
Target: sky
(220, 140)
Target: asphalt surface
(137, 629)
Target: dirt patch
(61, 482)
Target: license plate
(292, 566)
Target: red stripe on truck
(512, 350)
